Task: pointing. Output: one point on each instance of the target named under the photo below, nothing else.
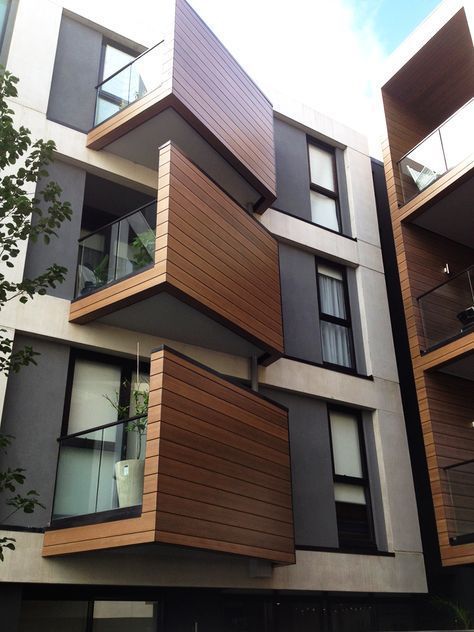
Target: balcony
(100, 473)
(447, 311)
(446, 147)
(460, 479)
(208, 274)
(117, 250)
(189, 89)
(216, 473)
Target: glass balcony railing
(447, 311)
(460, 479)
(101, 469)
(117, 250)
(130, 83)
(439, 152)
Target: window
(324, 196)
(351, 485)
(4, 11)
(334, 315)
(115, 93)
(102, 391)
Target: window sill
(331, 367)
(96, 518)
(347, 551)
(308, 221)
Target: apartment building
(428, 97)
(215, 423)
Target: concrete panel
(362, 197)
(356, 321)
(292, 171)
(300, 304)
(162, 566)
(76, 73)
(313, 488)
(32, 413)
(64, 249)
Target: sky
(328, 54)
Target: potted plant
(129, 472)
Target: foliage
(461, 617)
(143, 245)
(23, 216)
(139, 399)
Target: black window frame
(128, 368)
(364, 481)
(343, 322)
(334, 195)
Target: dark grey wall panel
(311, 469)
(292, 171)
(300, 304)
(64, 249)
(32, 413)
(75, 75)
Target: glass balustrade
(460, 479)
(439, 152)
(101, 469)
(117, 250)
(130, 83)
(447, 310)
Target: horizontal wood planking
(227, 488)
(421, 256)
(193, 443)
(208, 250)
(225, 96)
(193, 272)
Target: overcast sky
(327, 54)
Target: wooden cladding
(210, 253)
(217, 471)
(430, 87)
(207, 87)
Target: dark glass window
(334, 315)
(351, 484)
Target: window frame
(363, 482)
(335, 320)
(127, 366)
(334, 195)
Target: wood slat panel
(209, 253)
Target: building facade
(215, 423)
(428, 160)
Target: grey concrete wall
(300, 304)
(33, 413)
(356, 321)
(76, 73)
(313, 489)
(292, 171)
(64, 249)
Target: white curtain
(331, 292)
(336, 344)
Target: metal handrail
(455, 276)
(109, 425)
(435, 130)
(128, 64)
(116, 221)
